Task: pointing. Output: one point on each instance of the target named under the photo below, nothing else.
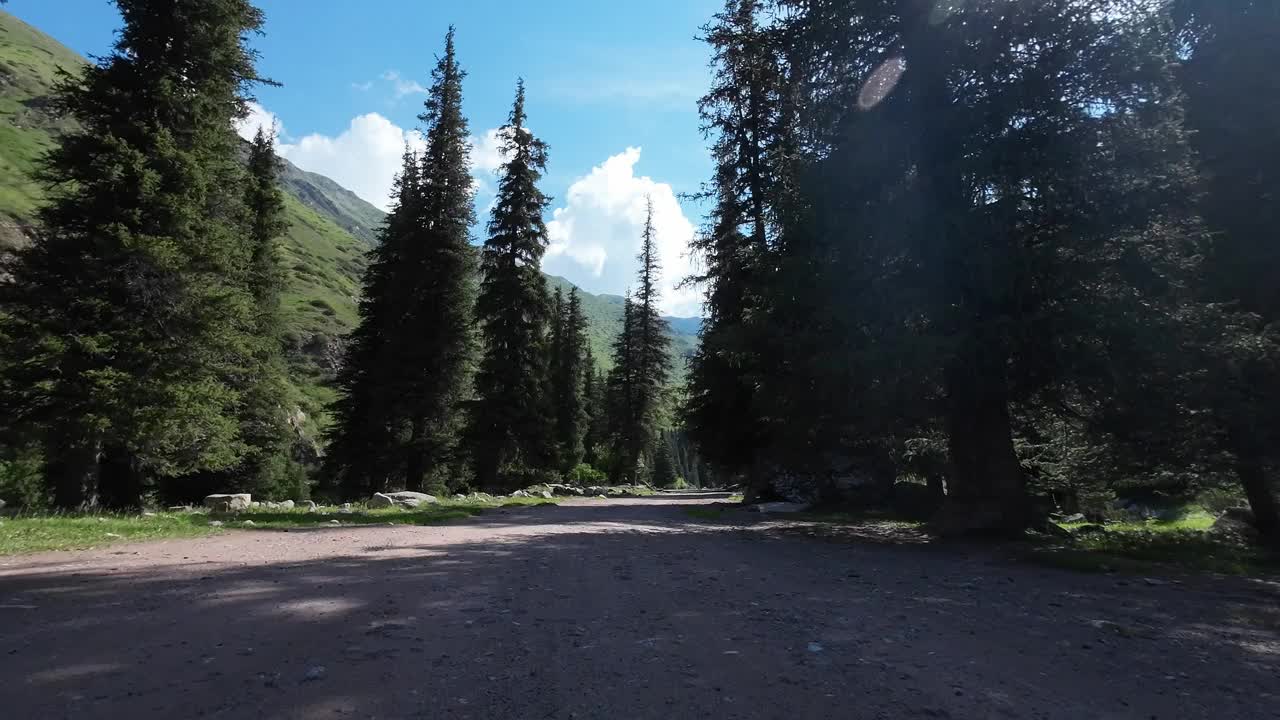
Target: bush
(1219, 500)
(584, 475)
(21, 483)
(520, 477)
(680, 484)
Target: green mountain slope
(330, 228)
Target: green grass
(1194, 520)
(1145, 551)
(36, 533)
(27, 534)
(1134, 546)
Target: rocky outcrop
(237, 502)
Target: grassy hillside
(330, 228)
(29, 65)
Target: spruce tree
(511, 417)
(1234, 113)
(569, 378)
(128, 313)
(743, 115)
(595, 423)
(619, 395)
(365, 442)
(435, 340)
(642, 365)
(265, 392)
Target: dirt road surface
(616, 609)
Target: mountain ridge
(323, 251)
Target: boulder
(404, 499)
(1072, 518)
(2, 504)
(285, 505)
(228, 503)
(518, 493)
(309, 506)
(1235, 523)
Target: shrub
(1219, 500)
(21, 483)
(584, 475)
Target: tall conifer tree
(408, 370)
(511, 416)
(129, 312)
(568, 382)
(365, 442)
(642, 365)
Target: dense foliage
(971, 231)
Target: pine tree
(435, 363)
(664, 469)
(1234, 113)
(968, 237)
(263, 421)
(743, 115)
(569, 377)
(365, 442)
(619, 393)
(407, 374)
(642, 366)
(595, 425)
(511, 416)
(128, 313)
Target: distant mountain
(324, 251)
(604, 314)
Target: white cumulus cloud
(258, 117)
(364, 158)
(596, 235)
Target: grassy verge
(1137, 547)
(35, 533)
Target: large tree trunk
(119, 479)
(71, 472)
(986, 485)
(1262, 500)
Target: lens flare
(881, 83)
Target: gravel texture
(616, 609)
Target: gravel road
(616, 609)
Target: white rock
(228, 503)
(334, 522)
(405, 499)
(310, 506)
(286, 505)
(215, 523)
(248, 523)
(519, 493)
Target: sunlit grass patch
(35, 533)
(28, 533)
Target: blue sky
(612, 87)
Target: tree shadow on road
(638, 611)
